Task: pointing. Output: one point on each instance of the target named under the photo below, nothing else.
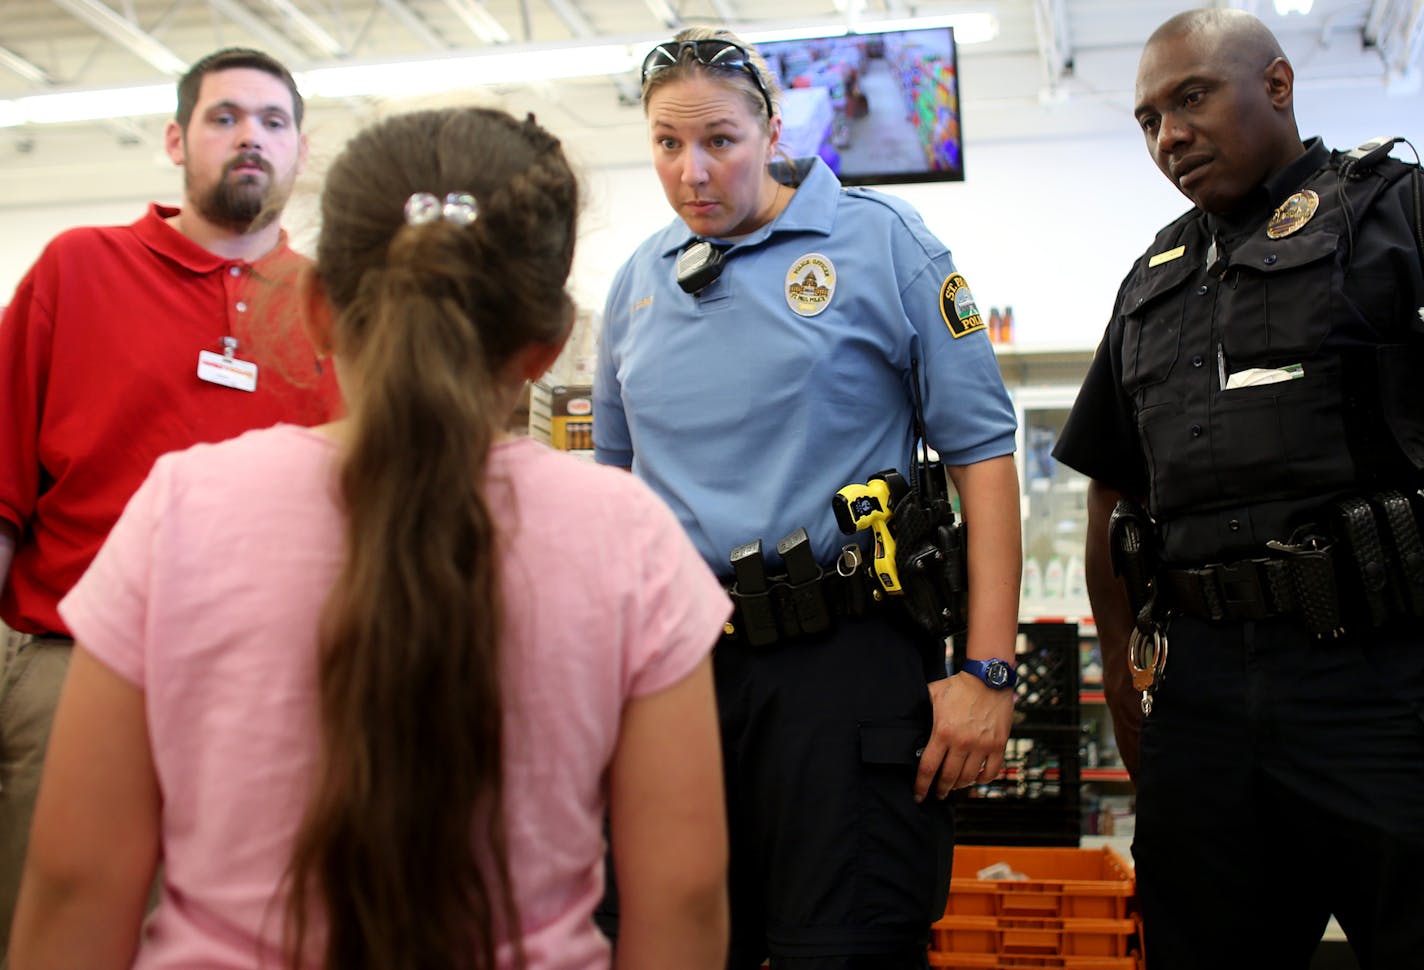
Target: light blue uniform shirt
(746, 415)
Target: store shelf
(1043, 364)
(1104, 774)
(1083, 622)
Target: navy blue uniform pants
(1282, 780)
(833, 864)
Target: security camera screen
(876, 107)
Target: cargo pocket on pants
(905, 849)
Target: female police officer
(748, 380)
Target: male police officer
(1257, 388)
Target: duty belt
(1257, 589)
(787, 610)
(1364, 566)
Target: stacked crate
(1072, 908)
(1035, 800)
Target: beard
(245, 203)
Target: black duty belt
(788, 611)
(1257, 589)
(1363, 567)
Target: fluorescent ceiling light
(969, 28)
(504, 65)
(1284, 7)
(69, 106)
(975, 27)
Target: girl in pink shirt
(367, 690)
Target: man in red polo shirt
(123, 343)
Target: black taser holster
(932, 556)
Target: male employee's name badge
(226, 369)
(1293, 213)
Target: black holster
(932, 556)
(1135, 554)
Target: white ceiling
(1056, 66)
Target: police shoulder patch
(956, 305)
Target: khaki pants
(29, 690)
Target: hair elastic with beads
(458, 207)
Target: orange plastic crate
(1007, 936)
(1062, 883)
(994, 962)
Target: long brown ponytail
(400, 862)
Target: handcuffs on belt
(1147, 657)
(1134, 560)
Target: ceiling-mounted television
(877, 107)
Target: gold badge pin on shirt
(1293, 213)
(810, 284)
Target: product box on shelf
(562, 415)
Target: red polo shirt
(98, 377)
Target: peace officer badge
(810, 284)
(956, 305)
(1293, 213)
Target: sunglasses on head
(723, 54)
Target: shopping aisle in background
(882, 141)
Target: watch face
(996, 673)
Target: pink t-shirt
(206, 595)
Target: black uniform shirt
(1227, 390)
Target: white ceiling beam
(1377, 19)
(1055, 48)
(665, 14)
(572, 17)
(483, 24)
(315, 34)
(1396, 29)
(126, 34)
(26, 69)
(411, 21)
(273, 41)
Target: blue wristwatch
(998, 674)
